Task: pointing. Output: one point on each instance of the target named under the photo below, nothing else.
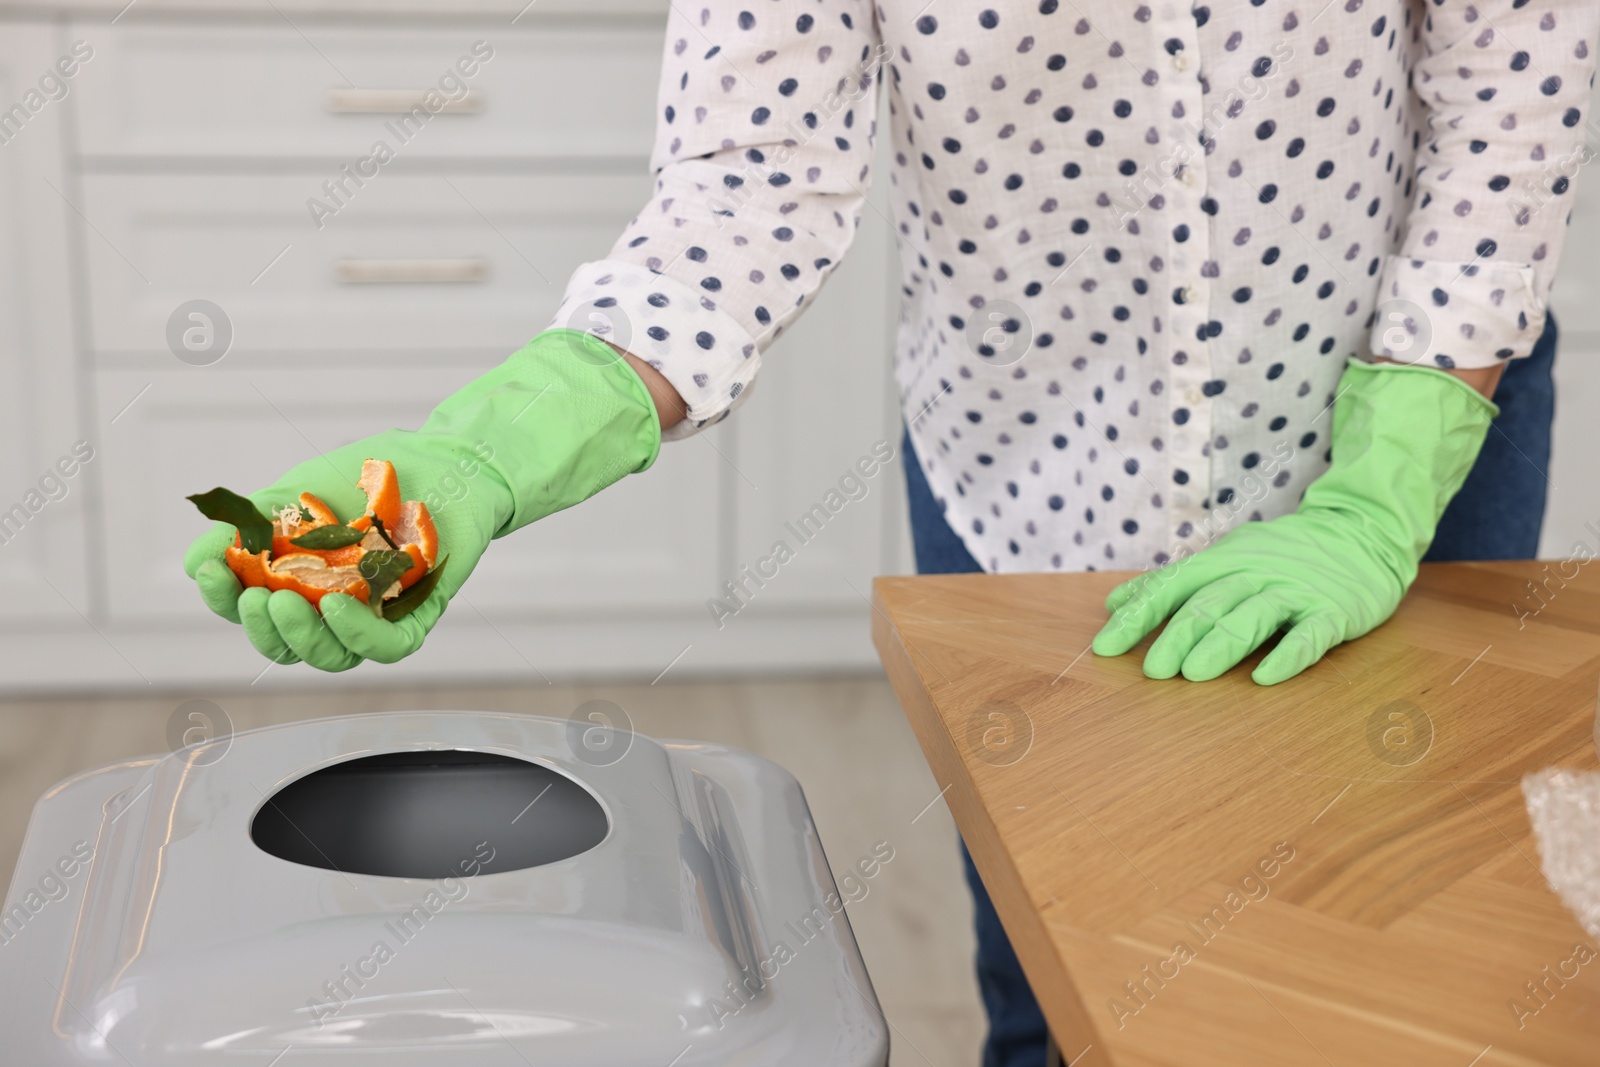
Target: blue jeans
(1497, 515)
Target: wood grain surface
(1335, 871)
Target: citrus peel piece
(313, 579)
(382, 486)
(313, 573)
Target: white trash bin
(437, 889)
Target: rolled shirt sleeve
(1505, 87)
(765, 126)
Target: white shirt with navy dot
(1138, 241)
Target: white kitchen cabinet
(362, 288)
(271, 92)
(44, 516)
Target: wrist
(1483, 380)
(670, 408)
(1467, 392)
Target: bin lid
(635, 902)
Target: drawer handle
(410, 271)
(395, 101)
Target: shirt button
(1187, 177)
(1180, 61)
(1188, 294)
(1193, 396)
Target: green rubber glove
(1404, 439)
(557, 422)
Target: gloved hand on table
(1404, 439)
(551, 426)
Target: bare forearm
(670, 407)
(1483, 379)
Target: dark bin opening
(430, 814)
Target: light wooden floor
(845, 739)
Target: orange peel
(382, 486)
(313, 572)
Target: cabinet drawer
(645, 544)
(411, 262)
(264, 91)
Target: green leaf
(382, 569)
(224, 505)
(330, 536)
(411, 599)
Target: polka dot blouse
(1138, 242)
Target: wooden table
(1336, 871)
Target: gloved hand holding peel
(1404, 439)
(551, 426)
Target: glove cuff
(612, 391)
(1404, 440)
(1442, 380)
(564, 417)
